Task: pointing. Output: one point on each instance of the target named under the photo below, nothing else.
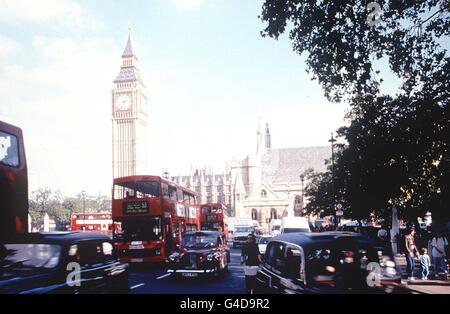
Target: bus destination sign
(130, 208)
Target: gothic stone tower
(129, 118)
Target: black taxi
(61, 262)
(200, 253)
(327, 262)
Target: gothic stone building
(262, 186)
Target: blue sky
(209, 73)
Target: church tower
(129, 118)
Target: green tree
(341, 47)
(397, 146)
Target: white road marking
(231, 266)
(137, 286)
(163, 276)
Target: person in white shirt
(438, 244)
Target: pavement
(419, 286)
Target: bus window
(9, 150)
(205, 210)
(145, 189)
(123, 190)
(165, 190)
(192, 199)
(180, 195)
(186, 198)
(175, 230)
(173, 193)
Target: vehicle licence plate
(190, 274)
(137, 260)
(136, 247)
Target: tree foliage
(396, 148)
(342, 47)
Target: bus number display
(135, 208)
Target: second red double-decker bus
(92, 222)
(150, 214)
(214, 217)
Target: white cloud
(64, 12)
(188, 5)
(63, 105)
(7, 47)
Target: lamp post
(83, 197)
(332, 140)
(302, 179)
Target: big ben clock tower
(129, 118)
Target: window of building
(254, 214)
(263, 194)
(273, 213)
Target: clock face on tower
(123, 101)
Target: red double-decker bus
(214, 217)
(13, 182)
(150, 215)
(92, 222)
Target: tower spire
(128, 52)
(268, 142)
(258, 137)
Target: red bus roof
(154, 178)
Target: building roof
(286, 164)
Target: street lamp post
(302, 179)
(83, 197)
(332, 140)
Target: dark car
(201, 252)
(327, 262)
(64, 262)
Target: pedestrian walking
(251, 258)
(425, 263)
(411, 252)
(438, 244)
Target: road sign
(339, 207)
(339, 213)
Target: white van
(275, 227)
(295, 224)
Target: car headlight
(210, 257)
(174, 256)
